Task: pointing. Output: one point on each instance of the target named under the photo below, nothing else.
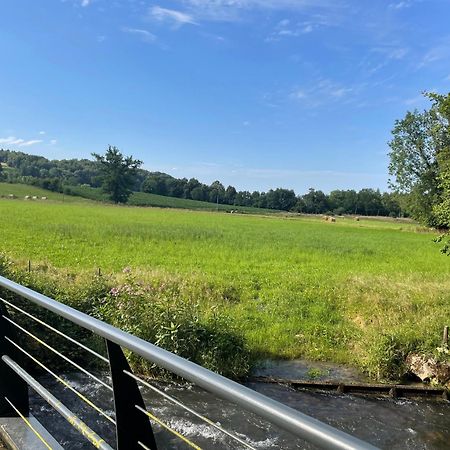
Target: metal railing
(132, 419)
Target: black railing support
(131, 425)
(11, 387)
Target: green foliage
(160, 309)
(386, 355)
(418, 141)
(117, 173)
(442, 209)
(164, 313)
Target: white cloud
(53, 141)
(145, 35)
(30, 142)
(400, 5)
(438, 53)
(173, 16)
(41, 132)
(288, 28)
(12, 140)
(298, 94)
(325, 91)
(230, 10)
(85, 3)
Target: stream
(384, 422)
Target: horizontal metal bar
(41, 322)
(300, 424)
(56, 352)
(77, 423)
(190, 410)
(63, 382)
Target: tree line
(60, 175)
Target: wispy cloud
(401, 4)
(172, 16)
(414, 100)
(324, 92)
(31, 142)
(285, 28)
(53, 141)
(144, 35)
(264, 178)
(436, 54)
(392, 52)
(12, 140)
(231, 10)
(85, 3)
(41, 132)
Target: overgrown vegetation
(158, 307)
(360, 292)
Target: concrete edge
(16, 435)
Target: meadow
(362, 292)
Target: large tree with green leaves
(418, 140)
(117, 173)
(442, 209)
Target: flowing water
(385, 423)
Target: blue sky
(256, 93)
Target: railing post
(132, 426)
(12, 387)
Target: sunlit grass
(297, 287)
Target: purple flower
(114, 291)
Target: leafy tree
(230, 195)
(417, 141)
(216, 192)
(198, 193)
(117, 173)
(442, 209)
(315, 202)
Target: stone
(428, 369)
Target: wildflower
(114, 291)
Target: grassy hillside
(360, 292)
(161, 201)
(22, 190)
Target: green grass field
(353, 292)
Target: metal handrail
(301, 425)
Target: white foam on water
(190, 429)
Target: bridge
(133, 421)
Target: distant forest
(61, 175)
